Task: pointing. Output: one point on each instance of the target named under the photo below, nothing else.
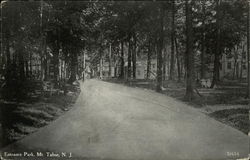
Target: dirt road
(111, 121)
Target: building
(141, 69)
(234, 66)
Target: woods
(184, 41)
(180, 65)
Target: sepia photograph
(125, 80)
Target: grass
(226, 103)
(237, 118)
(20, 118)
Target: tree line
(185, 35)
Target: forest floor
(225, 103)
(19, 119)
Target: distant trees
(67, 34)
(42, 40)
(188, 37)
(20, 25)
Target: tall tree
(189, 53)
(122, 59)
(203, 40)
(172, 57)
(129, 70)
(248, 49)
(134, 55)
(178, 60)
(110, 59)
(149, 59)
(160, 41)
(73, 65)
(217, 53)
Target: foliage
(55, 31)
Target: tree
(172, 42)
(129, 70)
(122, 60)
(110, 59)
(178, 59)
(149, 58)
(20, 25)
(180, 42)
(189, 53)
(203, 41)
(134, 55)
(68, 30)
(217, 53)
(248, 49)
(160, 41)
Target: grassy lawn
(19, 119)
(225, 103)
(236, 117)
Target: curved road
(111, 121)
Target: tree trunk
(8, 61)
(26, 68)
(234, 70)
(248, 51)
(149, 59)
(115, 71)
(203, 42)
(172, 42)
(189, 53)
(110, 59)
(183, 69)
(216, 72)
(178, 60)
(237, 71)
(122, 60)
(46, 67)
(21, 62)
(101, 64)
(241, 69)
(41, 65)
(2, 62)
(159, 52)
(134, 56)
(30, 65)
(164, 64)
(73, 66)
(45, 60)
(242, 61)
(56, 64)
(129, 58)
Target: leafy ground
(226, 103)
(19, 119)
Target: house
(141, 69)
(234, 66)
(104, 70)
